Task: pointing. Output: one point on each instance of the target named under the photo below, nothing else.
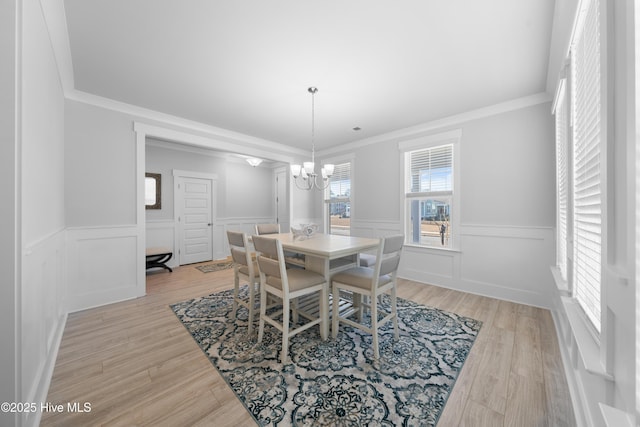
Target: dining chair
(291, 258)
(371, 283)
(262, 229)
(244, 267)
(287, 284)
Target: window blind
(431, 169)
(340, 181)
(562, 142)
(587, 141)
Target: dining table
(326, 254)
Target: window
(338, 200)
(561, 110)
(580, 169)
(429, 167)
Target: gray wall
(507, 172)
(100, 166)
(242, 190)
(506, 213)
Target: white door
(194, 219)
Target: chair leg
(294, 310)
(263, 312)
(374, 326)
(336, 305)
(357, 301)
(394, 311)
(236, 295)
(285, 330)
(252, 301)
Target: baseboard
(47, 373)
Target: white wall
(507, 202)
(42, 310)
(9, 208)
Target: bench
(158, 256)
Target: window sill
(614, 417)
(561, 284)
(588, 348)
(431, 248)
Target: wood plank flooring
(135, 364)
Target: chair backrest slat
(270, 257)
(236, 238)
(239, 256)
(239, 250)
(267, 229)
(388, 258)
(393, 243)
(389, 265)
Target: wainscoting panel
(245, 225)
(43, 315)
(162, 233)
(434, 267)
(509, 263)
(102, 266)
(375, 229)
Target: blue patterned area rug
(336, 382)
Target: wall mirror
(152, 193)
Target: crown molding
(186, 126)
(436, 125)
(227, 156)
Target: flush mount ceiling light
(307, 170)
(253, 161)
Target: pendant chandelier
(307, 173)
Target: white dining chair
(244, 267)
(291, 258)
(371, 283)
(286, 284)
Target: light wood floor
(135, 363)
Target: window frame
(453, 138)
(327, 200)
(564, 171)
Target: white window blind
(431, 169)
(562, 178)
(340, 181)
(587, 142)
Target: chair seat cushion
(367, 260)
(298, 279)
(360, 277)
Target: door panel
(195, 219)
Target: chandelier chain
(313, 91)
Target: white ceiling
(245, 65)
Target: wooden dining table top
(329, 246)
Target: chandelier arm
(308, 185)
(321, 187)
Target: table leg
(321, 265)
